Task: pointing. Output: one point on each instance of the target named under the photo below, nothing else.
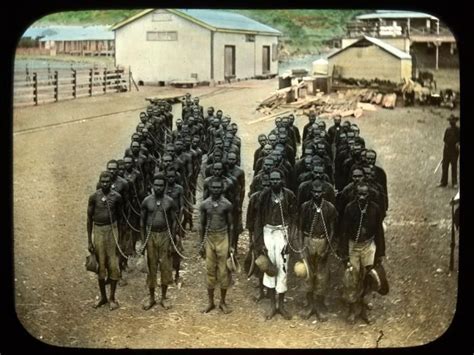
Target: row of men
(160, 163)
(331, 201)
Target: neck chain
(362, 214)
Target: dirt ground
(56, 166)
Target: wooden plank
(266, 118)
(366, 106)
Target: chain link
(171, 237)
(113, 231)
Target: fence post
(56, 86)
(35, 88)
(74, 82)
(105, 80)
(129, 78)
(91, 73)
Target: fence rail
(35, 87)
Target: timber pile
(351, 102)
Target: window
(162, 36)
(161, 15)
(249, 38)
(274, 52)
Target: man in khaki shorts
(216, 241)
(103, 210)
(316, 225)
(362, 245)
(157, 226)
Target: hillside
(305, 31)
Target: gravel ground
(56, 169)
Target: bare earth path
(56, 168)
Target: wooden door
(229, 61)
(266, 59)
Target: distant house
(370, 58)
(420, 34)
(162, 46)
(73, 40)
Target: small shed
(371, 58)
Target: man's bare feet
(113, 305)
(101, 302)
(224, 308)
(149, 304)
(209, 308)
(165, 303)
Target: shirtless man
(157, 223)
(104, 207)
(216, 242)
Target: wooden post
(35, 88)
(129, 78)
(74, 82)
(105, 80)
(91, 74)
(437, 55)
(56, 86)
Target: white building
(170, 45)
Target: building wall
(367, 63)
(154, 61)
(248, 55)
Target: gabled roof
(392, 14)
(384, 45)
(214, 20)
(70, 33)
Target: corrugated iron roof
(70, 33)
(216, 20)
(395, 14)
(384, 45)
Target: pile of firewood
(350, 102)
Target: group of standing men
(332, 200)
(144, 202)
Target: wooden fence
(35, 87)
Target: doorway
(229, 62)
(266, 60)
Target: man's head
(276, 181)
(140, 127)
(312, 117)
(370, 156)
(216, 187)
(225, 121)
(355, 129)
(291, 119)
(317, 191)
(362, 192)
(285, 122)
(217, 169)
(321, 149)
(265, 181)
(171, 176)
(167, 160)
(217, 156)
(318, 172)
(210, 111)
(128, 161)
(195, 141)
(308, 151)
(159, 183)
(308, 162)
(196, 100)
(278, 122)
(231, 159)
(357, 175)
(218, 143)
(262, 139)
(268, 164)
(135, 147)
(178, 146)
(112, 167)
(170, 149)
(219, 114)
(143, 117)
(322, 125)
(216, 122)
(121, 167)
(267, 149)
(272, 139)
(337, 120)
(105, 181)
(179, 123)
(452, 120)
(282, 137)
